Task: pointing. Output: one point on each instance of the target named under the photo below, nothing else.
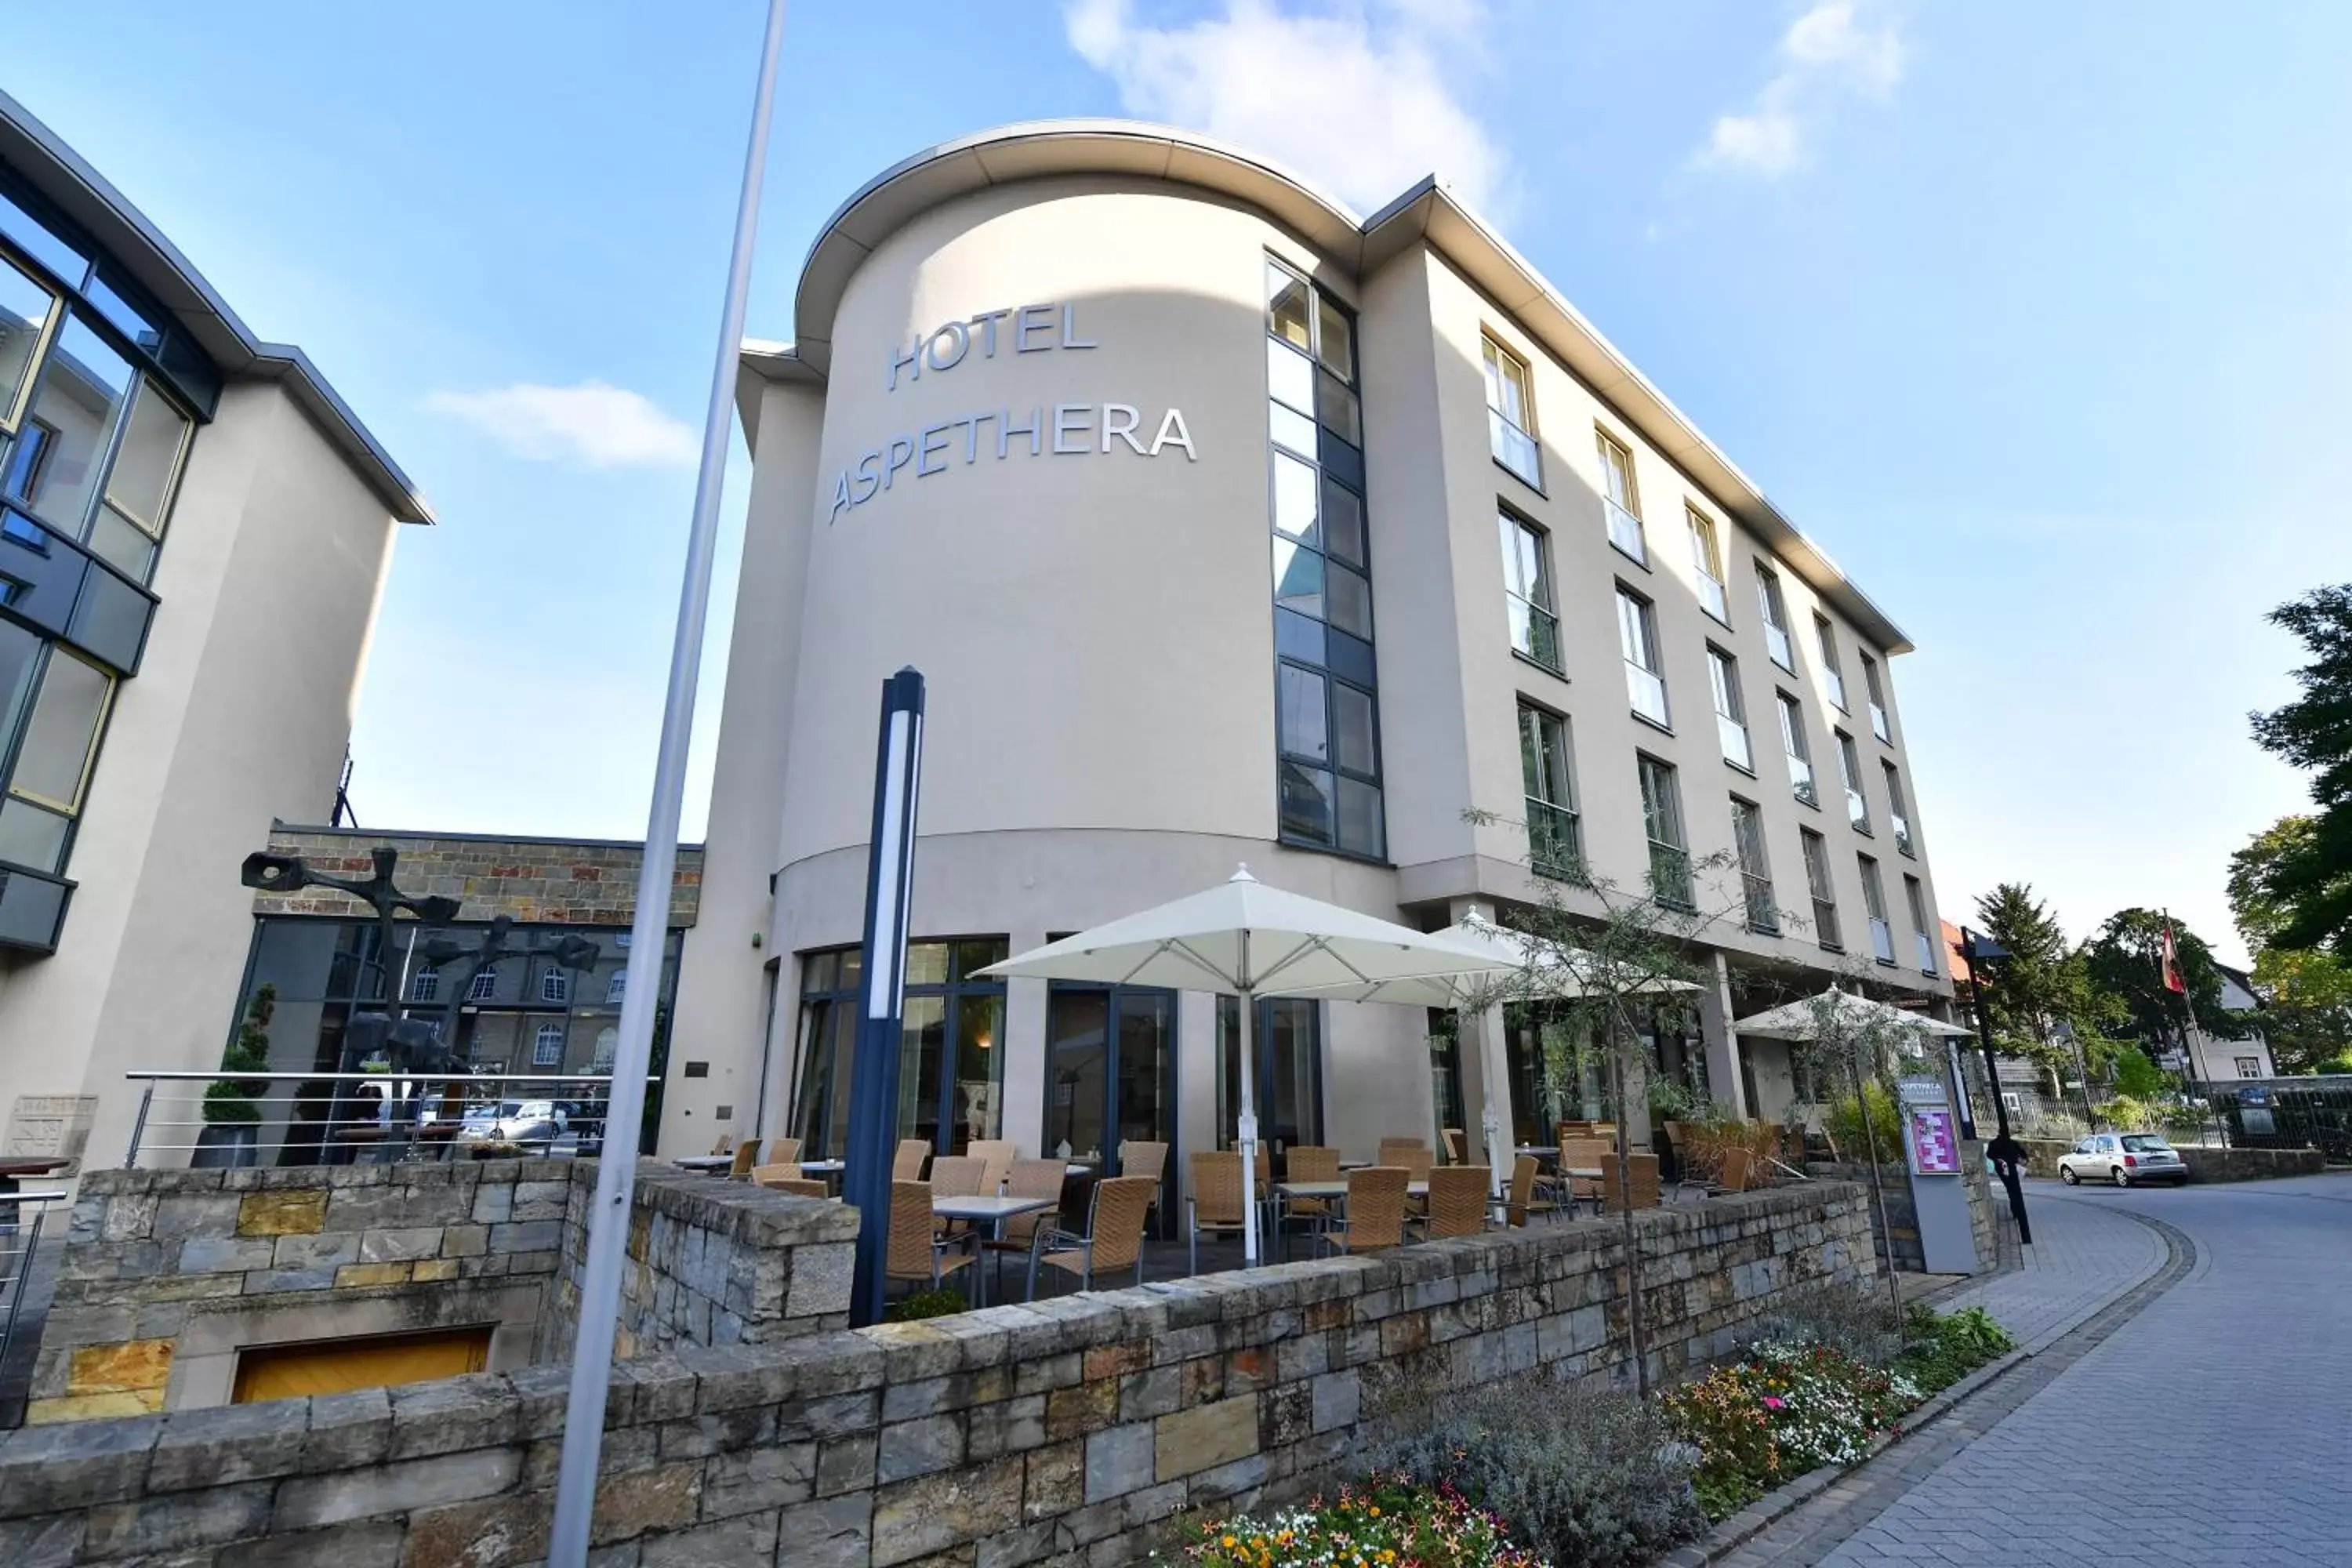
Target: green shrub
(1845, 1124)
(230, 1103)
(1852, 1320)
(1583, 1476)
(1944, 1347)
(2136, 1076)
(915, 1305)
(1786, 1410)
(1386, 1521)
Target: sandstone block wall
(548, 881)
(1065, 1431)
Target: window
(2250, 1067)
(547, 1047)
(1801, 756)
(485, 986)
(1825, 638)
(1755, 871)
(554, 986)
(62, 719)
(1619, 499)
(1731, 709)
(1898, 816)
(1661, 817)
(1554, 847)
(617, 990)
(951, 1066)
(1873, 903)
(1776, 618)
(1817, 883)
(1877, 694)
(27, 309)
(1637, 636)
(424, 986)
(1328, 780)
(1857, 808)
(1527, 589)
(1510, 414)
(1916, 897)
(1707, 561)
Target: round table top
(33, 1164)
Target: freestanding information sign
(1931, 1148)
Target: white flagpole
(608, 1218)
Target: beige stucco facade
(1095, 616)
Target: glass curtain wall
(952, 1057)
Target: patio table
(991, 1212)
(705, 1163)
(1284, 1192)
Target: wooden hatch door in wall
(337, 1366)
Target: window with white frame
(485, 986)
(1824, 894)
(1877, 695)
(1555, 847)
(1832, 674)
(1707, 561)
(424, 986)
(1898, 815)
(1510, 414)
(2250, 1067)
(1731, 709)
(617, 990)
(1775, 612)
(1793, 745)
(1619, 498)
(1637, 637)
(1857, 805)
(1874, 902)
(1527, 590)
(547, 1047)
(554, 986)
(1662, 818)
(1915, 895)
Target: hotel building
(193, 536)
(1227, 526)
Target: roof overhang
(140, 248)
(1428, 213)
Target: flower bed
(1385, 1522)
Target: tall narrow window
(424, 986)
(547, 1047)
(1824, 896)
(1511, 414)
(62, 719)
(1328, 782)
(1857, 808)
(1637, 636)
(1755, 869)
(1776, 618)
(1799, 755)
(1832, 676)
(616, 989)
(1706, 563)
(1874, 901)
(1877, 694)
(1914, 895)
(1731, 709)
(1898, 815)
(1661, 817)
(1527, 590)
(554, 986)
(483, 986)
(1619, 499)
(1555, 847)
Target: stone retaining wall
(1062, 1432)
(1903, 1215)
(2204, 1165)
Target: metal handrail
(454, 1076)
(17, 1242)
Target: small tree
(2138, 1078)
(231, 1102)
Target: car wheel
(2066, 1175)
(2119, 1177)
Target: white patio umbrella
(1803, 1020)
(1253, 941)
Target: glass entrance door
(1110, 1072)
(1287, 1041)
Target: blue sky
(2037, 318)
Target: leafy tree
(2126, 960)
(2306, 992)
(2138, 1078)
(2306, 878)
(2041, 999)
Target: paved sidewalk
(2084, 1256)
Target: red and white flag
(2172, 980)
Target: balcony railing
(1926, 951)
(1711, 598)
(1801, 780)
(1763, 912)
(363, 1118)
(1625, 531)
(22, 1215)
(1776, 643)
(1535, 631)
(32, 909)
(1834, 679)
(1902, 828)
(1515, 448)
(1882, 939)
(1554, 846)
(1878, 725)
(1857, 809)
(1647, 691)
(1733, 736)
(1825, 925)
(1670, 876)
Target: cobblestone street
(2206, 1428)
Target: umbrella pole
(1500, 1144)
(1249, 1118)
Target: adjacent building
(1230, 526)
(193, 536)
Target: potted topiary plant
(231, 1135)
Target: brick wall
(542, 881)
(1062, 1432)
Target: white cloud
(602, 425)
(1827, 52)
(1355, 94)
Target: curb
(2181, 1256)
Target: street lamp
(2007, 1155)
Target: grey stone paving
(2084, 1256)
(2206, 1428)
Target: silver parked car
(2122, 1158)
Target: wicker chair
(747, 1154)
(725, 1145)
(1738, 1170)
(996, 1156)
(1214, 1204)
(1644, 1169)
(957, 1176)
(1457, 1202)
(1584, 1153)
(1525, 1198)
(917, 1252)
(1113, 1238)
(1411, 1154)
(1029, 1179)
(1450, 1144)
(1313, 1163)
(1143, 1157)
(1375, 1217)
(782, 1151)
(789, 1182)
(907, 1164)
